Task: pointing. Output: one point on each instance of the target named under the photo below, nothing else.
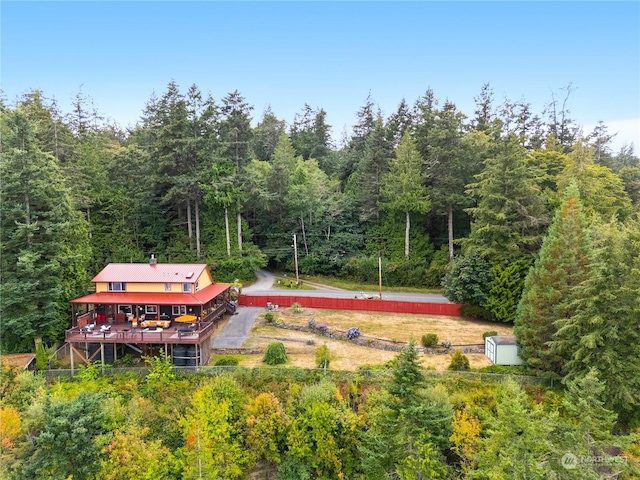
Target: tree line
(293, 424)
(436, 193)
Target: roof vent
(152, 260)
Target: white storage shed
(502, 350)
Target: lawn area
(301, 346)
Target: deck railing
(173, 335)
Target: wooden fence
(370, 305)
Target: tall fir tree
(510, 214)
(550, 287)
(602, 334)
(402, 188)
(44, 240)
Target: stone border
(378, 343)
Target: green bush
(226, 361)
(467, 280)
(490, 333)
(429, 340)
(476, 312)
(269, 317)
(296, 308)
(275, 354)
(322, 357)
(505, 369)
(42, 360)
(459, 361)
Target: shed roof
(22, 360)
(504, 339)
(151, 272)
(201, 297)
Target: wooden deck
(123, 333)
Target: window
(186, 287)
(179, 310)
(197, 286)
(124, 309)
(117, 286)
(167, 287)
(151, 309)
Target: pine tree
(402, 189)
(371, 169)
(510, 215)
(44, 241)
(602, 333)
(515, 444)
(505, 289)
(408, 378)
(450, 165)
(550, 287)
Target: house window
(167, 287)
(197, 286)
(186, 287)
(151, 309)
(117, 287)
(179, 310)
(124, 309)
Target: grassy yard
(308, 281)
(301, 346)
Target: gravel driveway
(235, 331)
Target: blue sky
(330, 55)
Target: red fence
(448, 309)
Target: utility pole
(295, 254)
(380, 277)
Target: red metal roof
(151, 273)
(201, 297)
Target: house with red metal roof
(147, 306)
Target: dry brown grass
(399, 327)
(347, 356)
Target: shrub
(275, 354)
(474, 311)
(429, 340)
(353, 333)
(467, 280)
(126, 361)
(505, 369)
(446, 344)
(311, 323)
(226, 361)
(269, 317)
(322, 327)
(296, 308)
(490, 333)
(42, 362)
(459, 361)
(322, 357)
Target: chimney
(152, 260)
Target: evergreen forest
(521, 216)
(440, 195)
